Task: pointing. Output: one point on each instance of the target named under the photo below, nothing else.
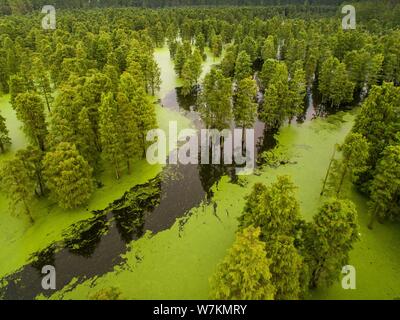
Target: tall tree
(355, 153)
(30, 111)
(216, 104)
(274, 209)
(330, 237)
(243, 66)
(286, 268)
(110, 133)
(32, 158)
(385, 188)
(68, 176)
(5, 140)
(334, 83)
(244, 272)
(16, 183)
(244, 104)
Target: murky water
(94, 247)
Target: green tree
(385, 188)
(355, 153)
(110, 133)
(30, 111)
(379, 122)
(286, 268)
(16, 183)
(274, 209)
(268, 50)
(244, 104)
(5, 140)
(243, 66)
(191, 72)
(334, 83)
(42, 80)
(216, 105)
(244, 272)
(330, 238)
(68, 176)
(32, 158)
(297, 93)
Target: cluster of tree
(188, 63)
(370, 154)
(101, 110)
(25, 6)
(277, 255)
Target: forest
(77, 103)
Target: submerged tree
(244, 272)
(68, 176)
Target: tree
(379, 122)
(30, 111)
(216, 45)
(244, 105)
(244, 272)
(329, 239)
(243, 66)
(297, 93)
(385, 187)
(42, 81)
(274, 209)
(31, 158)
(129, 129)
(68, 176)
(200, 42)
(277, 104)
(216, 105)
(5, 140)
(110, 133)
(286, 268)
(268, 50)
(228, 62)
(16, 183)
(355, 151)
(334, 83)
(86, 142)
(191, 72)
(180, 59)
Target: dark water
(93, 247)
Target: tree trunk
(1, 147)
(329, 169)
(342, 180)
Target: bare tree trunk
(328, 171)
